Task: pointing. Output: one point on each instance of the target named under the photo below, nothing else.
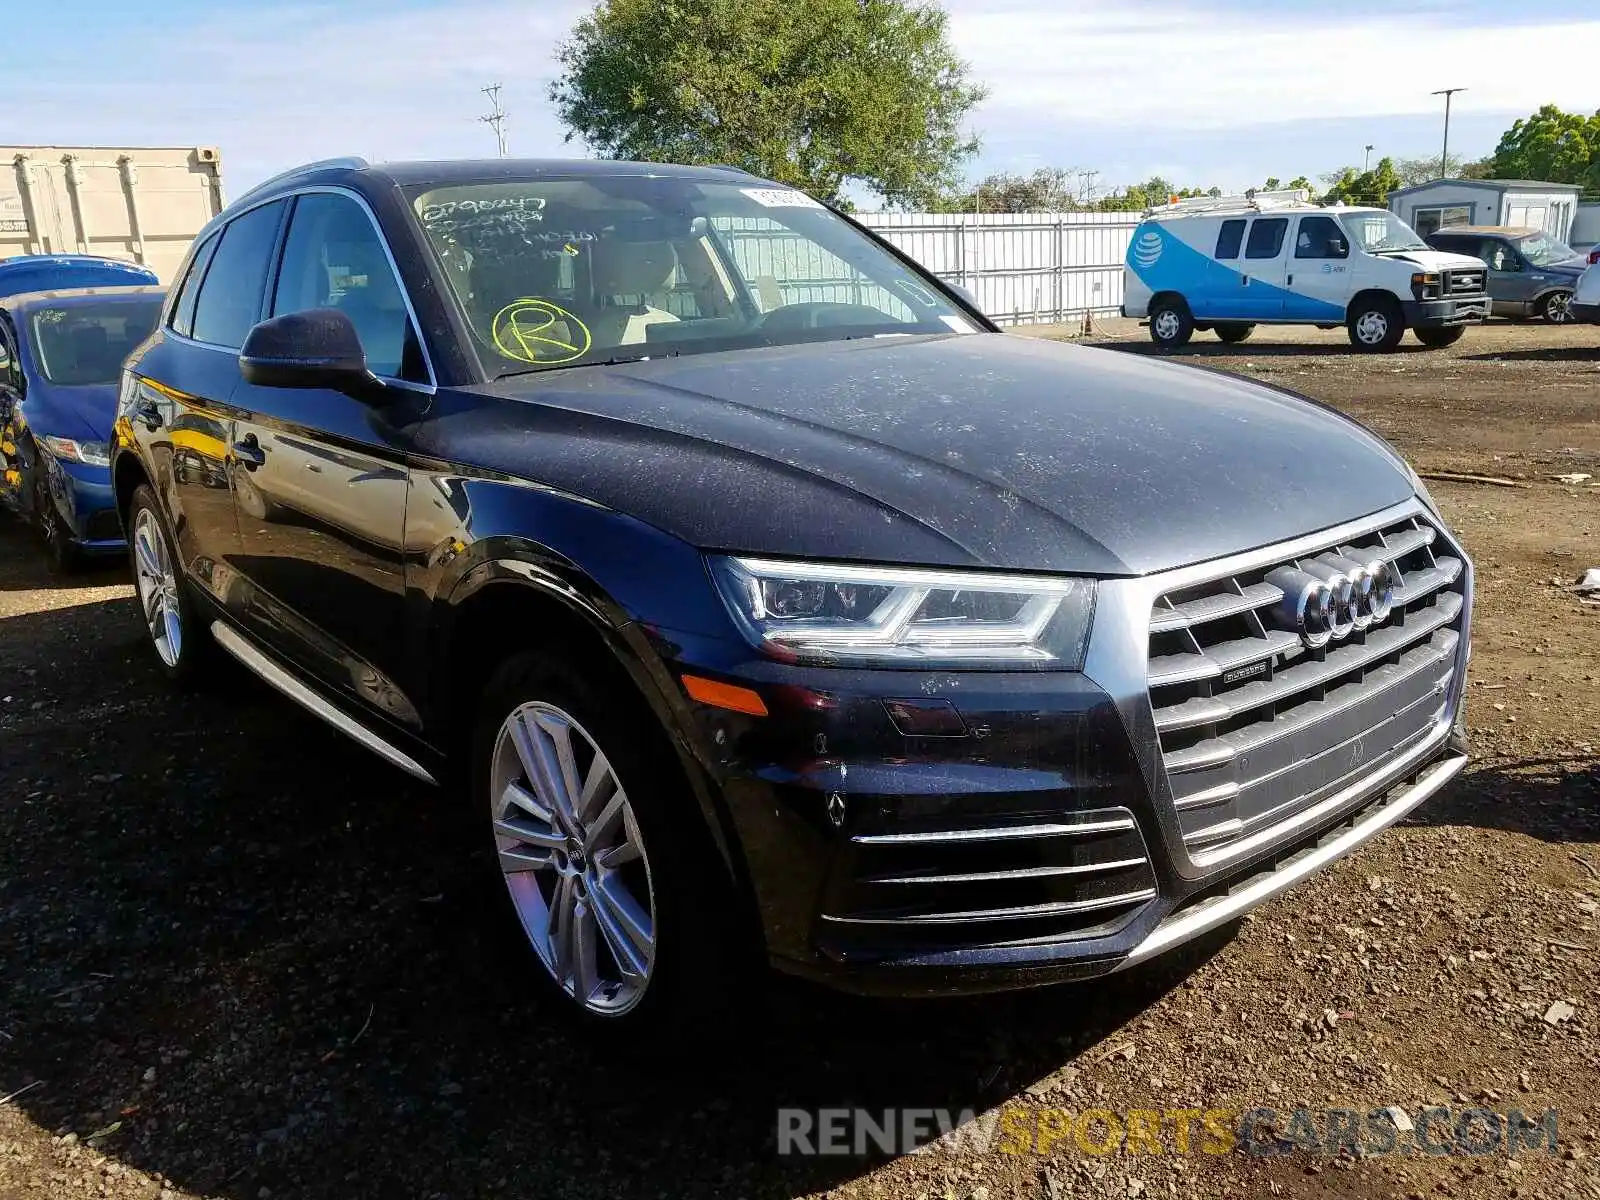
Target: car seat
(502, 280)
(626, 276)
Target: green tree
(813, 93)
(1553, 145)
(1370, 187)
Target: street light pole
(1444, 155)
(1366, 160)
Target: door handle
(248, 451)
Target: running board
(307, 699)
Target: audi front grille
(1258, 723)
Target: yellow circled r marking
(524, 330)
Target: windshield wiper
(616, 361)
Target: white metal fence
(1024, 268)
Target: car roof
(445, 172)
(1493, 230)
(24, 302)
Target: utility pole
(1444, 155)
(496, 119)
(1366, 159)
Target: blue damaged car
(61, 355)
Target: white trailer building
(1526, 203)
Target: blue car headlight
(94, 454)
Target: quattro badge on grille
(1330, 597)
(1262, 669)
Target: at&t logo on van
(1147, 250)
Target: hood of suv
(989, 450)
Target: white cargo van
(1230, 263)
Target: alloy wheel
(573, 858)
(157, 585)
(1558, 309)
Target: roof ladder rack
(1256, 201)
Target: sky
(1203, 92)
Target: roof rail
(1254, 201)
(350, 163)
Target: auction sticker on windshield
(780, 198)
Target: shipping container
(138, 204)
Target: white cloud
(1189, 67)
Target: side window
(1320, 237)
(334, 258)
(230, 294)
(183, 309)
(1230, 239)
(1500, 256)
(1266, 237)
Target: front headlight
(837, 613)
(94, 454)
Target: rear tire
(652, 947)
(180, 640)
(1376, 324)
(1557, 308)
(1171, 323)
(1234, 332)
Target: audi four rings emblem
(1327, 598)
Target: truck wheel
(616, 892)
(1438, 339)
(1557, 308)
(1171, 323)
(1376, 325)
(1234, 332)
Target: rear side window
(231, 293)
(1230, 239)
(1266, 237)
(183, 307)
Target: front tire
(1557, 308)
(1438, 339)
(166, 609)
(61, 556)
(1234, 332)
(601, 851)
(1376, 325)
(1171, 323)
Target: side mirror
(317, 348)
(1339, 247)
(965, 293)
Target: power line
(496, 119)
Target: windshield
(557, 272)
(1541, 250)
(1379, 232)
(81, 344)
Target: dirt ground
(242, 958)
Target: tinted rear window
(231, 294)
(1229, 239)
(1266, 237)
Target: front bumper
(1042, 841)
(1441, 314)
(86, 503)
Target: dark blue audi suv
(776, 606)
